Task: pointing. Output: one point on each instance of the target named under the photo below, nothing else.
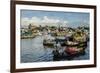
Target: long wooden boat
(27, 37)
(70, 43)
(73, 44)
(48, 43)
(74, 50)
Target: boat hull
(74, 50)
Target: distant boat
(39, 33)
(27, 37)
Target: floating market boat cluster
(73, 40)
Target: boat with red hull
(74, 50)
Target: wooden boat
(74, 50)
(74, 43)
(48, 43)
(82, 44)
(60, 39)
(27, 37)
(70, 43)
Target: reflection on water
(32, 50)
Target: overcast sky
(54, 18)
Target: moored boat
(27, 37)
(48, 42)
(71, 43)
(60, 39)
(74, 50)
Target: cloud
(42, 21)
(25, 22)
(49, 20)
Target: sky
(54, 18)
